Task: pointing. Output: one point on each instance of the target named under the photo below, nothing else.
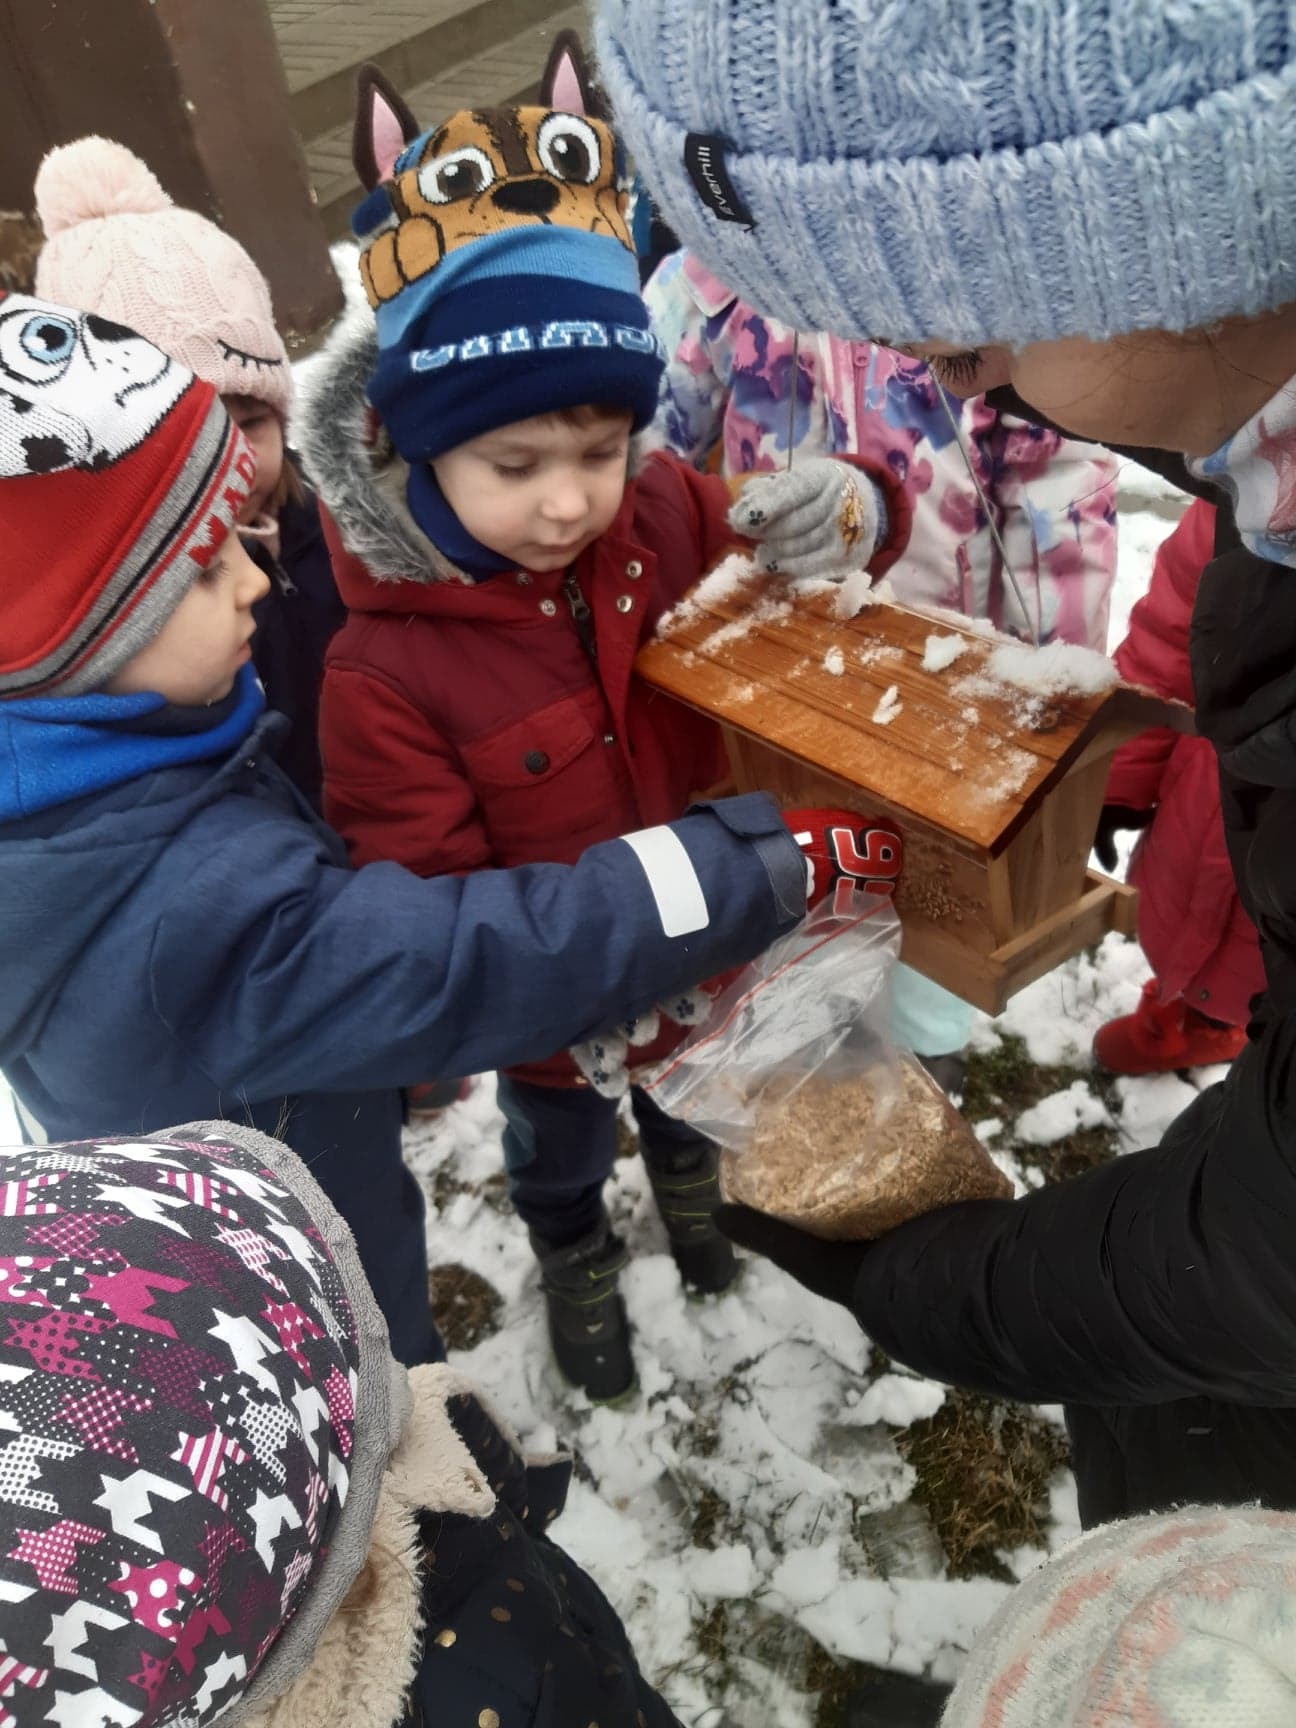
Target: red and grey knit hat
(120, 477)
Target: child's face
(540, 491)
(196, 655)
(259, 424)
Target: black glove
(828, 1268)
(1115, 817)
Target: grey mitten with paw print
(821, 518)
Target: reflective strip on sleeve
(681, 904)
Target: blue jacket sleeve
(281, 971)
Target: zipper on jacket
(582, 616)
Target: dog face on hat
(482, 172)
(76, 390)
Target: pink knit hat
(1182, 1621)
(116, 244)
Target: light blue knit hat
(976, 171)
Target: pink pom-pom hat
(118, 246)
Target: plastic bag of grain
(821, 1120)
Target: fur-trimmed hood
(352, 464)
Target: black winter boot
(687, 1200)
(588, 1328)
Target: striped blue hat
(977, 171)
(527, 320)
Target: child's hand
(605, 1060)
(861, 852)
(821, 518)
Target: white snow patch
(1057, 669)
(879, 652)
(855, 592)
(898, 1399)
(726, 582)
(943, 651)
(768, 610)
(718, 1574)
(834, 661)
(1060, 1114)
(1149, 1105)
(889, 706)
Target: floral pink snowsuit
(728, 385)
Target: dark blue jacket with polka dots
(516, 1634)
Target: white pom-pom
(94, 177)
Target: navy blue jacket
(512, 1624)
(187, 940)
(295, 622)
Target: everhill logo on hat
(120, 478)
(704, 157)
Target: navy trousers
(560, 1145)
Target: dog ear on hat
(567, 84)
(384, 125)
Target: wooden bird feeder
(997, 788)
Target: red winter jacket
(465, 727)
(1198, 940)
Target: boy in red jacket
(502, 571)
(1199, 942)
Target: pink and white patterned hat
(1185, 1620)
(195, 1415)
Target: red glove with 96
(846, 854)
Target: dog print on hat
(53, 363)
(483, 171)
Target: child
(1198, 939)
(222, 1500)
(1049, 502)
(479, 706)
(116, 245)
(179, 935)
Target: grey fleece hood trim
(363, 483)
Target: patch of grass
(984, 1471)
(627, 1139)
(710, 1514)
(1005, 1082)
(466, 1307)
(1072, 1156)
(830, 1683)
(711, 1635)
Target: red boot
(1159, 1037)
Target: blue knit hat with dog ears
(500, 265)
(974, 171)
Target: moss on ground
(465, 1306)
(1004, 1082)
(984, 1471)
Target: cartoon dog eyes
(76, 390)
(36, 347)
(460, 174)
(555, 164)
(568, 148)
